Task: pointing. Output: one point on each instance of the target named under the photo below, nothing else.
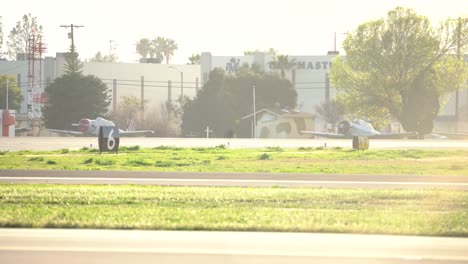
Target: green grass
(409, 212)
(222, 159)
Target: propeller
(343, 127)
(83, 125)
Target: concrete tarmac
(74, 143)
(235, 179)
(133, 246)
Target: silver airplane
(90, 127)
(359, 127)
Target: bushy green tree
(15, 96)
(73, 96)
(399, 67)
(225, 99)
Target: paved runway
(55, 143)
(133, 246)
(235, 179)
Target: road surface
(74, 143)
(235, 179)
(49, 246)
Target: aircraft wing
(395, 135)
(454, 135)
(69, 132)
(22, 129)
(377, 136)
(325, 135)
(140, 133)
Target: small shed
(280, 123)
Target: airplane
(359, 127)
(90, 127)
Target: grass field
(272, 159)
(410, 212)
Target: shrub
(104, 162)
(163, 163)
(132, 148)
(36, 159)
(88, 161)
(139, 162)
(274, 149)
(64, 151)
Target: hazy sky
(294, 27)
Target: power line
(70, 35)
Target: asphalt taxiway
(42, 246)
(231, 179)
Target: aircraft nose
(83, 125)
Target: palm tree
(194, 59)
(143, 47)
(282, 63)
(168, 49)
(156, 50)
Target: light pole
(181, 82)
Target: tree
(282, 63)
(106, 58)
(128, 110)
(143, 47)
(332, 111)
(73, 64)
(194, 59)
(400, 67)
(20, 35)
(160, 121)
(1, 37)
(225, 99)
(74, 96)
(156, 49)
(15, 96)
(168, 48)
(270, 51)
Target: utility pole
(254, 114)
(7, 93)
(459, 33)
(459, 57)
(70, 35)
(110, 48)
